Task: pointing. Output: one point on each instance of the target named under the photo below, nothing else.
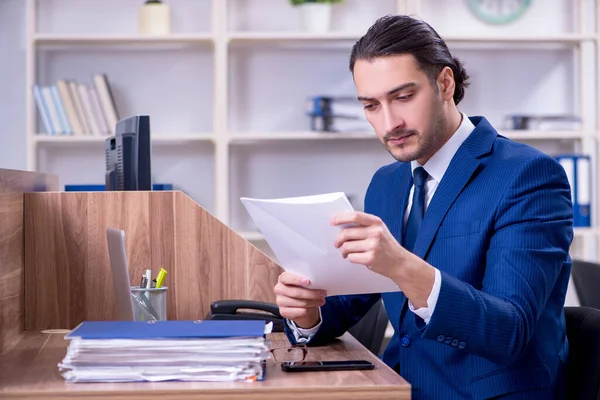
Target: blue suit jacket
(499, 229)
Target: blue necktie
(417, 210)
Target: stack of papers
(299, 231)
(128, 351)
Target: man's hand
(367, 241)
(296, 302)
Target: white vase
(154, 19)
(316, 17)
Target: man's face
(402, 106)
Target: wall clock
(498, 12)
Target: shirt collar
(438, 163)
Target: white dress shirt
(436, 168)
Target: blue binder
(102, 188)
(577, 168)
(174, 329)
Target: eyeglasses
(296, 352)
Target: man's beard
(427, 142)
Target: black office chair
(370, 330)
(586, 278)
(582, 379)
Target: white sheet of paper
(299, 232)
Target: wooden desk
(29, 370)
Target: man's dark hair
(401, 34)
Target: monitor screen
(128, 155)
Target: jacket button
(405, 341)
(448, 340)
(454, 343)
(462, 345)
(441, 338)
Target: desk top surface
(30, 370)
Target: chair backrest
(583, 368)
(370, 330)
(586, 278)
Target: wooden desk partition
(12, 186)
(68, 277)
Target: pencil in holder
(149, 304)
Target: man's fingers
(355, 217)
(364, 258)
(295, 313)
(355, 246)
(284, 301)
(290, 279)
(299, 292)
(348, 234)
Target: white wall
(12, 82)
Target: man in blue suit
(474, 228)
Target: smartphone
(306, 366)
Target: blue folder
(174, 329)
(102, 188)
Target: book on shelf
(68, 107)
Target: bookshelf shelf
(586, 232)
(342, 38)
(240, 138)
(567, 38)
(276, 36)
(156, 138)
(63, 39)
(547, 135)
(290, 36)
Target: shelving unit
(250, 76)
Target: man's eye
(369, 107)
(405, 97)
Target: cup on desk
(149, 304)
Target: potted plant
(315, 14)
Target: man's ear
(446, 83)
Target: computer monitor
(128, 155)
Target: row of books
(71, 108)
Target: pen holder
(149, 304)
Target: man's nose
(392, 121)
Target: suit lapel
(462, 167)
